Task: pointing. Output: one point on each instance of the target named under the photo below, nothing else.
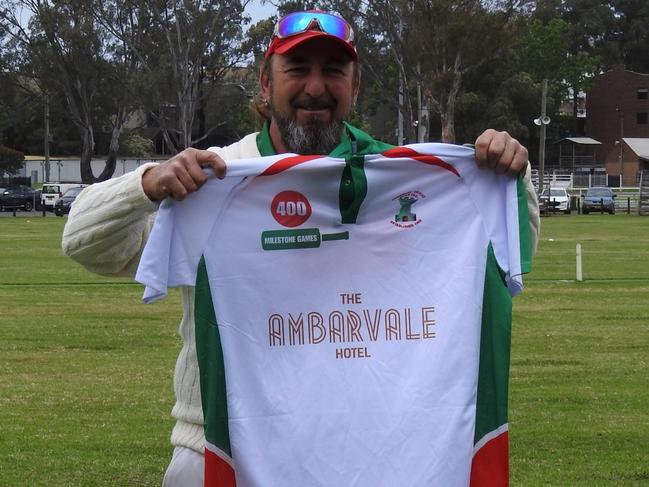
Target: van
(51, 192)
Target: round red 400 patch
(290, 208)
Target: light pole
(543, 120)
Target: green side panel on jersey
(495, 342)
(524, 227)
(210, 364)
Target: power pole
(46, 141)
(542, 121)
(400, 99)
(420, 129)
(621, 156)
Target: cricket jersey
(353, 316)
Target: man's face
(311, 89)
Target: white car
(557, 200)
(52, 192)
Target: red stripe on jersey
(425, 158)
(218, 472)
(490, 465)
(287, 163)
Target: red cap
(282, 46)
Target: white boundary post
(579, 273)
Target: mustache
(313, 103)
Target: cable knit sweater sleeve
(532, 208)
(109, 223)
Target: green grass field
(86, 369)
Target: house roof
(582, 140)
(638, 145)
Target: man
(309, 84)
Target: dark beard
(314, 137)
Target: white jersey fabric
(346, 323)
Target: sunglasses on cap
(300, 22)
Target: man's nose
(315, 84)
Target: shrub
(11, 160)
(135, 146)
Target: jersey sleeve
(179, 235)
(182, 228)
(501, 202)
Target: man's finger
(504, 162)
(496, 149)
(482, 147)
(174, 188)
(196, 173)
(206, 158)
(520, 162)
(191, 182)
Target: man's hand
(181, 175)
(501, 152)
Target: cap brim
(282, 46)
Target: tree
(632, 33)
(66, 53)
(427, 46)
(435, 44)
(182, 46)
(549, 50)
(15, 108)
(10, 160)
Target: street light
(542, 121)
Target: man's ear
(264, 79)
(356, 81)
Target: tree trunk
(113, 147)
(448, 127)
(87, 151)
(109, 166)
(447, 114)
(447, 118)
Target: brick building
(617, 107)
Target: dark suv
(22, 197)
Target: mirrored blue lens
(334, 26)
(294, 24)
(299, 22)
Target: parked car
(598, 198)
(62, 206)
(51, 192)
(557, 199)
(19, 197)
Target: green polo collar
(354, 142)
(264, 143)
